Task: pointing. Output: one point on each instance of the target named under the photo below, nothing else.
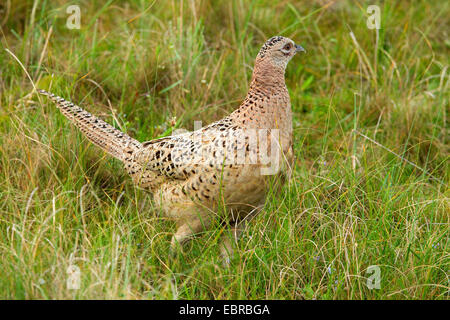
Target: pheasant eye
(287, 47)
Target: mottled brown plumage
(192, 174)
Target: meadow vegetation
(370, 184)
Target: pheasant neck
(268, 78)
(267, 104)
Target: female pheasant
(229, 163)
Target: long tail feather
(115, 142)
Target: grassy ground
(371, 140)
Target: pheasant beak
(299, 48)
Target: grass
(370, 185)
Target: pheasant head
(273, 58)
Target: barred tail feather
(115, 142)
